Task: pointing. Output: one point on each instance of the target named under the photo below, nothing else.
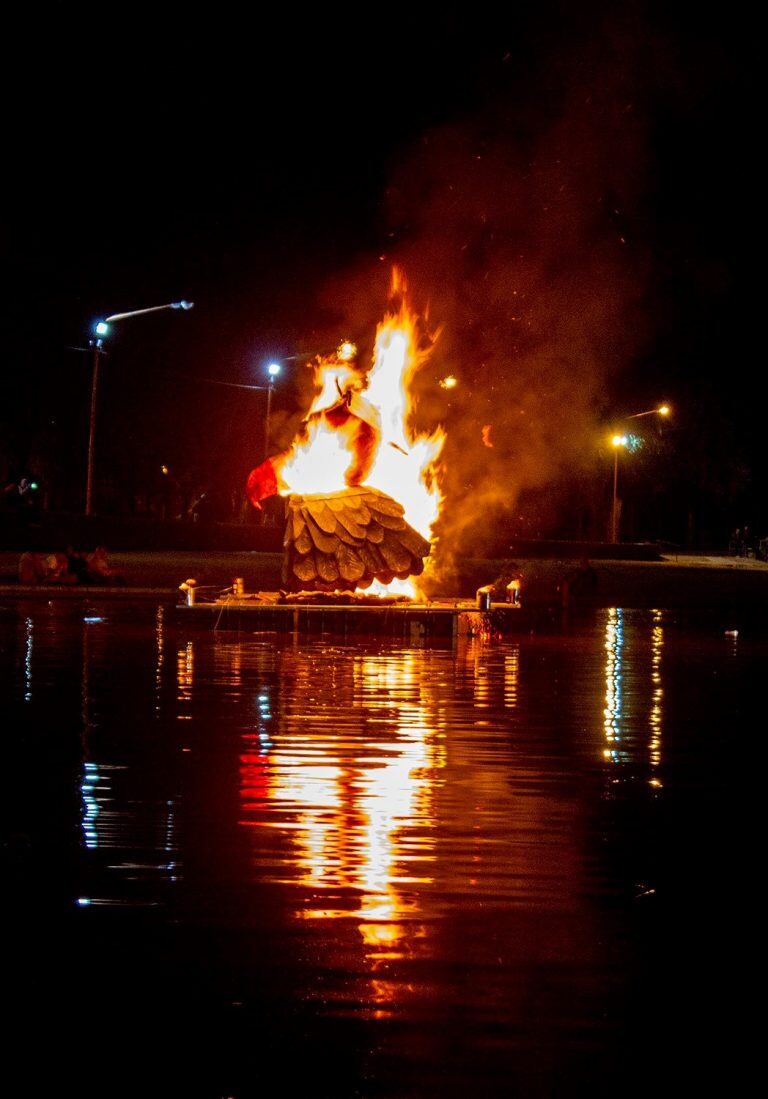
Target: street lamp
(346, 351)
(617, 442)
(101, 329)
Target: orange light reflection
(356, 798)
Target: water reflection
(628, 653)
(511, 677)
(342, 752)
(476, 654)
(29, 641)
(353, 785)
(89, 787)
(491, 671)
(185, 678)
(128, 829)
(657, 693)
(613, 712)
(464, 839)
(159, 655)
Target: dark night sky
(251, 163)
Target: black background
(254, 162)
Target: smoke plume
(523, 227)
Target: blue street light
(101, 328)
(274, 369)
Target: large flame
(376, 445)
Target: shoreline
(674, 581)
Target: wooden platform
(412, 621)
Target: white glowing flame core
(318, 464)
(407, 477)
(394, 587)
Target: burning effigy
(361, 482)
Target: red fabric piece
(261, 483)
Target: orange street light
(346, 351)
(662, 410)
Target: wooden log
(327, 568)
(303, 543)
(397, 557)
(326, 543)
(385, 505)
(391, 522)
(349, 539)
(351, 566)
(348, 522)
(374, 532)
(413, 541)
(343, 535)
(304, 568)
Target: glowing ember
(359, 433)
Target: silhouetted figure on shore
(68, 568)
(580, 583)
(18, 498)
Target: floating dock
(444, 619)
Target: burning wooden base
(351, 538)
(339, 599)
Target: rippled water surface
(251, 864)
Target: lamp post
(101, 329)
(272, 372)
(617, 442)
(662, 410)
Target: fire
(319, 464)
(372, 440)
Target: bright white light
(101, 328)
(346, 351)
(274, 369)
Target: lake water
(253, 865)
